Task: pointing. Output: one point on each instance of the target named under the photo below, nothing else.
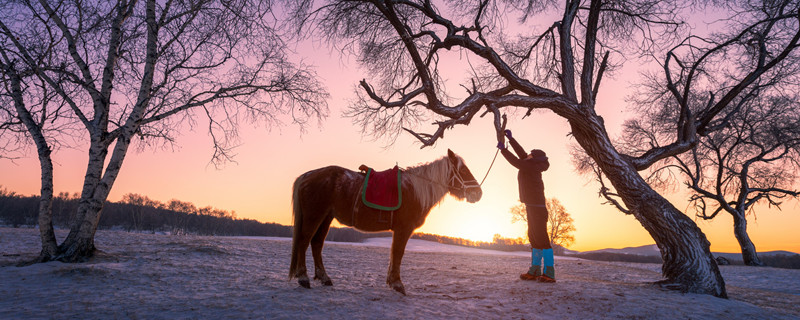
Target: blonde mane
(430, 181)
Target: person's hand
(501, 145)
(508, 133)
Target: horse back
(326, 184)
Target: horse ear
(451, 155)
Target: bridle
(462, 184)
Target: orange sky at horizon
(258, 185)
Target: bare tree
(31, 112)
(139, 204)
(559, 67)
(145, 68)
(751, 160)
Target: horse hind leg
(306, 225)
(299, 271)
(317, 243)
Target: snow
(141, 276)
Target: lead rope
(462, 183)
(490, 167)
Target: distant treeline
(140, 214)
(498, 243)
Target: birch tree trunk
(688, 263)
(98, 181)
(79, 244)
(45, 216)
(749, 253)
(45, 211)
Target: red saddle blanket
(381, 189)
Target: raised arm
(539, 163)
(513, 160)
(514, 144)
(518, 148)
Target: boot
(534, 272)
(549, 274)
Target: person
(531, 193)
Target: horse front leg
(399, 241)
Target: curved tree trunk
(688, 263)
(79, 244)
(98, 181)
(45, 219)
(45, 214)
(749, 255)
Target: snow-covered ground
(140, 276)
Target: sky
(269, 158)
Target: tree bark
(688, 263)
(45, 219)
(45, 214)
(79, 244)
(749, 255)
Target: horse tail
(297, 216)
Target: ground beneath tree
(140, 276)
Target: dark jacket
(531, 187)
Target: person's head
(536, 153)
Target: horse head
(463, 184)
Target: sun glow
(480, 221)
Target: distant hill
(737, 256)
(650, 253)
(646, 250)
(652, 250)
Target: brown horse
(331, 192)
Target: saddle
(381, 189)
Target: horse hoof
(304, 283)
(399, 288)
(324, 280)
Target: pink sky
(258, 185)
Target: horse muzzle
(474, 194)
